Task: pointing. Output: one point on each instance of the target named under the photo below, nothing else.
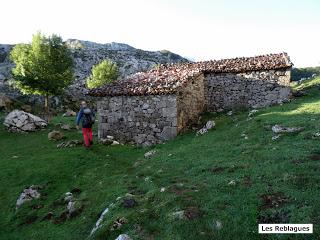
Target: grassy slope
(194, 170)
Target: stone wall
(254, 89)
(190, 103)
(144, 120)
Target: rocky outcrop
(20, 121)
(85, 54)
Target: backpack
(88, 117)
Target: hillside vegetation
(216, 186)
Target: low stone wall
(190, 103)
(144, 120)
(254, 89)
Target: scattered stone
(150, 154)
(20, 121)
(110, 137)
(232, 183)
(118, 223)
(65, 127)
(273, 200)
(178, 215)
(69, 113)
(55, 135)
(28, 194)
(281, 129)
(317, 134)
(244, 136)
(123, 237)
(162, 189)
(210, 124)
(217, 225)
(229, 113)
(252, 112)
(275, 137)
(69, 144)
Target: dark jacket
(84, 122)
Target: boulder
(20, 121)
(55, 135)
(65, 127)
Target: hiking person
(87, 118)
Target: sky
(196, 29)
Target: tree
(102, 73)
(44, 67)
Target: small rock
(217, 225)
(65, 127)
(178, 215)
(118, 223)
(110, 137)
(275, 137)
(229, 113)
(252, 112)
(106, 141)
(162, 189)
(28, 194)
(150, 154)
(69, 113)
(123, 237)
(68, 197)
(281, 129)
(55, 135)
(210, 124)
(232, 183)
(115, 143)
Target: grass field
(226, 181)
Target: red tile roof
(169, 78)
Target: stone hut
(150, 107)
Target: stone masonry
(254, 89)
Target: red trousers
(87, 136)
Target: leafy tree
(102, 73)
(44, 67)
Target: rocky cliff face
(86, 54)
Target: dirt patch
(315, 157)
(217, 169)
(278, 216)
(62, 218)
(192, 213)
(76, 190)
(273, 200)
(48, 216)
(29, 220)
(129, 203)
(37, 206)
(143, 233)
(178, 190)
(247, 181)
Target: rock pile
(20, 121)
(69, 144)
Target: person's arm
(79, 116)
